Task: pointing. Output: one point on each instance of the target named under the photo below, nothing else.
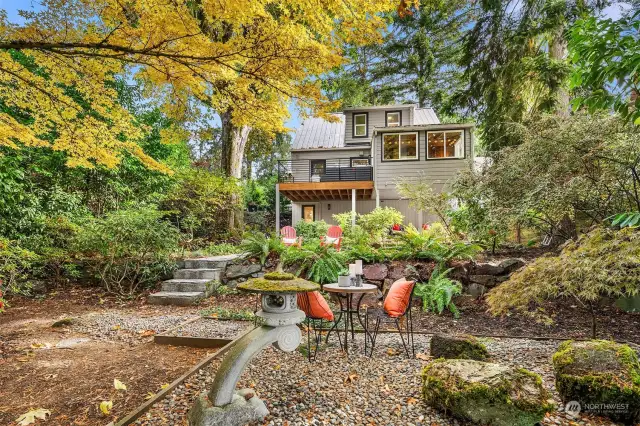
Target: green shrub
(437, 294)
(366, 252)
(200, 204)
(16, 267)
(311, 230)
(219, 249)
(128, 250)
(603, 262)
(261, 246)
(372, 226)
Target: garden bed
(354, 390)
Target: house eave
(424, 127)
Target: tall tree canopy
(248, 58)
(516, 64)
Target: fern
(321, 264)
(261, 246)
(437, 294)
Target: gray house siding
(438, 171)
(376, 118)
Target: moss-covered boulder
(603, 376)
(486, 393)
(458, 347)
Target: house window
(309, 213)
(359, 162)
(400, 146)
(360, 125)
(318, 167)
(448, 144)
(393, 119)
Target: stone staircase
(192, 282)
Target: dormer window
(393, 119)
(360, 125)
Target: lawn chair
(333, 237)
(396, 306)
(289, 237)
(316, 308)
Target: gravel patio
(356, 390)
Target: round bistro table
(345, 294)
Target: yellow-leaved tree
(246, 59)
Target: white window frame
(455, 157)
(355, 126)
(416, 158)
(386, 118)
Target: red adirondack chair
(334, 236)
(289, 237)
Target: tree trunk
(559, 51)
(234, 139)
(594, 320)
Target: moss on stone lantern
(278, 282)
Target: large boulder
(511, 265)
(458, 347)
(242, 270)
(485, 393)
(602, 376)
(375, 272)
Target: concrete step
(204, 264)
(212, 262)
(175, 298)
(185, 285)
(209, 274)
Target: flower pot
(344, 281)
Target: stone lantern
(222, 405)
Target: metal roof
(317, 133)
(425, 116)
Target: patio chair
(333, 237)
(316, 308)
(289, 237)
(396, 306)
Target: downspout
(373, 163)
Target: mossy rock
(599, 372)
(486, 393)
(278, 282)
(458, 347)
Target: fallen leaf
(166, 385)
(411, 401)
(44, 345)
(423, 357)
(106, 406)
(391, 352)
(352, 377)
(147, 333)
(119, 385)
(149, 395)
(116, 327)
(277, 367)
(31, 416)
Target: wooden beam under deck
(320, 191)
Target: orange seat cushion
(398, 298)
(317, 308)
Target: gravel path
(212, 328)
(336, 390)
(131, 328)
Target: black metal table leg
(364, 326)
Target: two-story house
(352, 164)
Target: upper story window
(449, 144)
(393, 119)
(360, 125)
(399, 146)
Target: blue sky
(12, 7)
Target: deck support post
(353, 207)
(277, 209)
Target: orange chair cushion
(398, 298)
(318, 306)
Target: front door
(309, 213)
